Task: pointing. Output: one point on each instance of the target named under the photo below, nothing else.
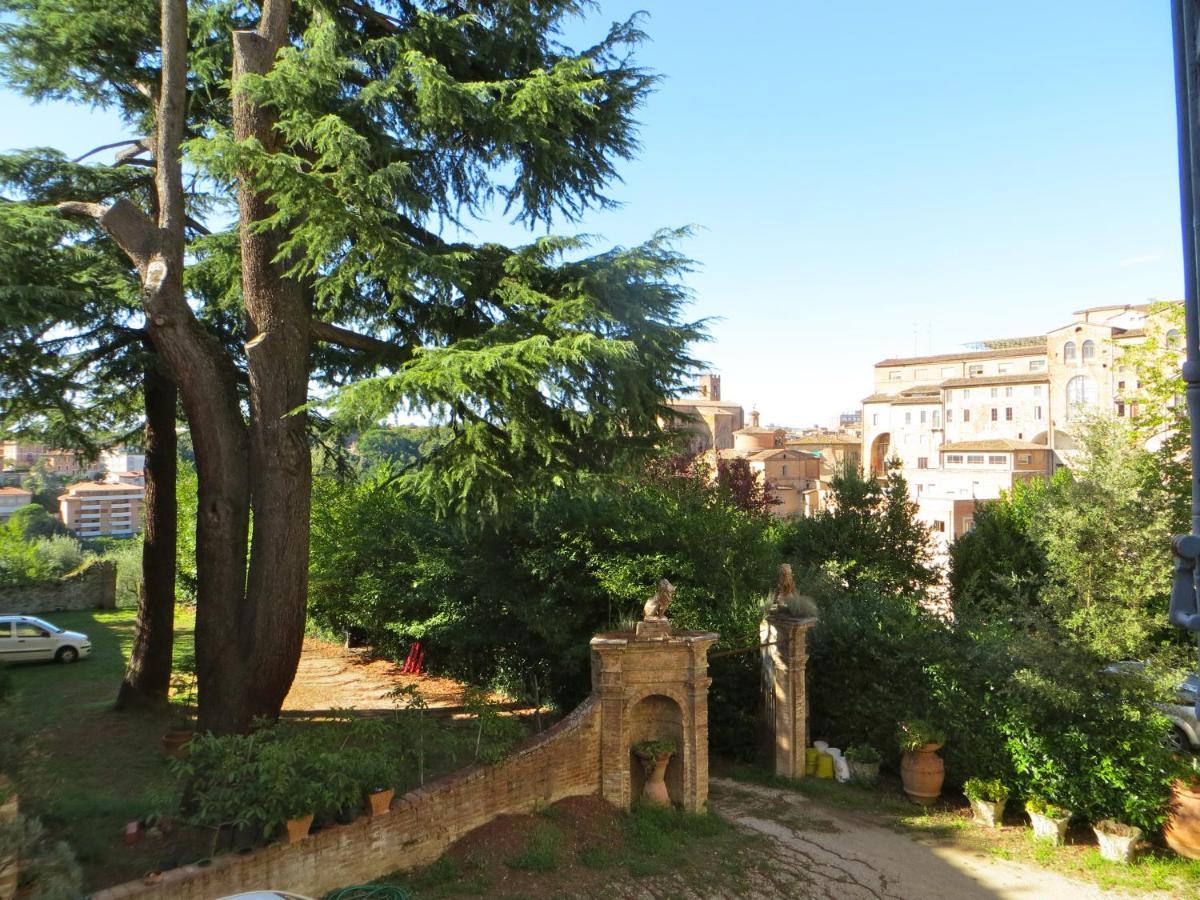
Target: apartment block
(966, 426)
(99, 510)
(12, 499)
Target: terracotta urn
(923, 772)
(175, 743)
(297, 828)
(1182, 831)
(655, 791)
(379, 802)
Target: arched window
(1081, 394)
(1069, 351)
(1089, 350)
(1173, 340)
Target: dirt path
(332, 677)
(818, 852)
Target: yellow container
(824, 766)
(810, 760)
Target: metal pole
(1184, 611)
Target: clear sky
(877, 178)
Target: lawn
(84, 769)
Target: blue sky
(878, 178)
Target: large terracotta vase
(654, 793)
(923, 772)
(1182, 831)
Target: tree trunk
(269, 624)
(148, 675)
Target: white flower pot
(989, 813)
(1048, 829)
(1118, 847)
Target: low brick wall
(560, 762)
(93, 586)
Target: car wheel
(67, 655)
(1177, 741)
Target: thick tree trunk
(148, 675)
(270, 621)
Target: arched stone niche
(653, 687)
(656, 718)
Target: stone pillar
(785, 699)
(653, 685)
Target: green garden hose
(371, 892)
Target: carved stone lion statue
(785, 586)
(656, 606)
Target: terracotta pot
(297, 829)
(990, 813)
(175, 743)
(1048, 829)
(1118, 847)
(654, 793)
(1182, 830)
(923, 772)
(379, 802)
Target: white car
(28, 639)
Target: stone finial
(656, 606)
(787, 598)
(785, 584)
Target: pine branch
(353, 340)
(137, 142)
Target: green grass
(82, 768)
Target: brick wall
(560, 762)
(93, 586)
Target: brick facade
(641, 689)
(785, 699)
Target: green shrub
(917, 733)
(1042, 807)
(989, 790)
(59, 554)
(863, 753)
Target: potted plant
(655, 755)
(1182, 831)
(1118, 841)
(863, 760)
(921, 769)
(1049, 821)
(289, 788)
(374, 776)
(183, 689)
(987, 797)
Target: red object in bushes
(133, 832)
(415, 664)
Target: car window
(28, 629)
(5, 629)
(45, 626)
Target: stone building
(12, 499)
(792, 475)
(836, 449)
(966, 426)
(709, 421)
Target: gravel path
(817, 852)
